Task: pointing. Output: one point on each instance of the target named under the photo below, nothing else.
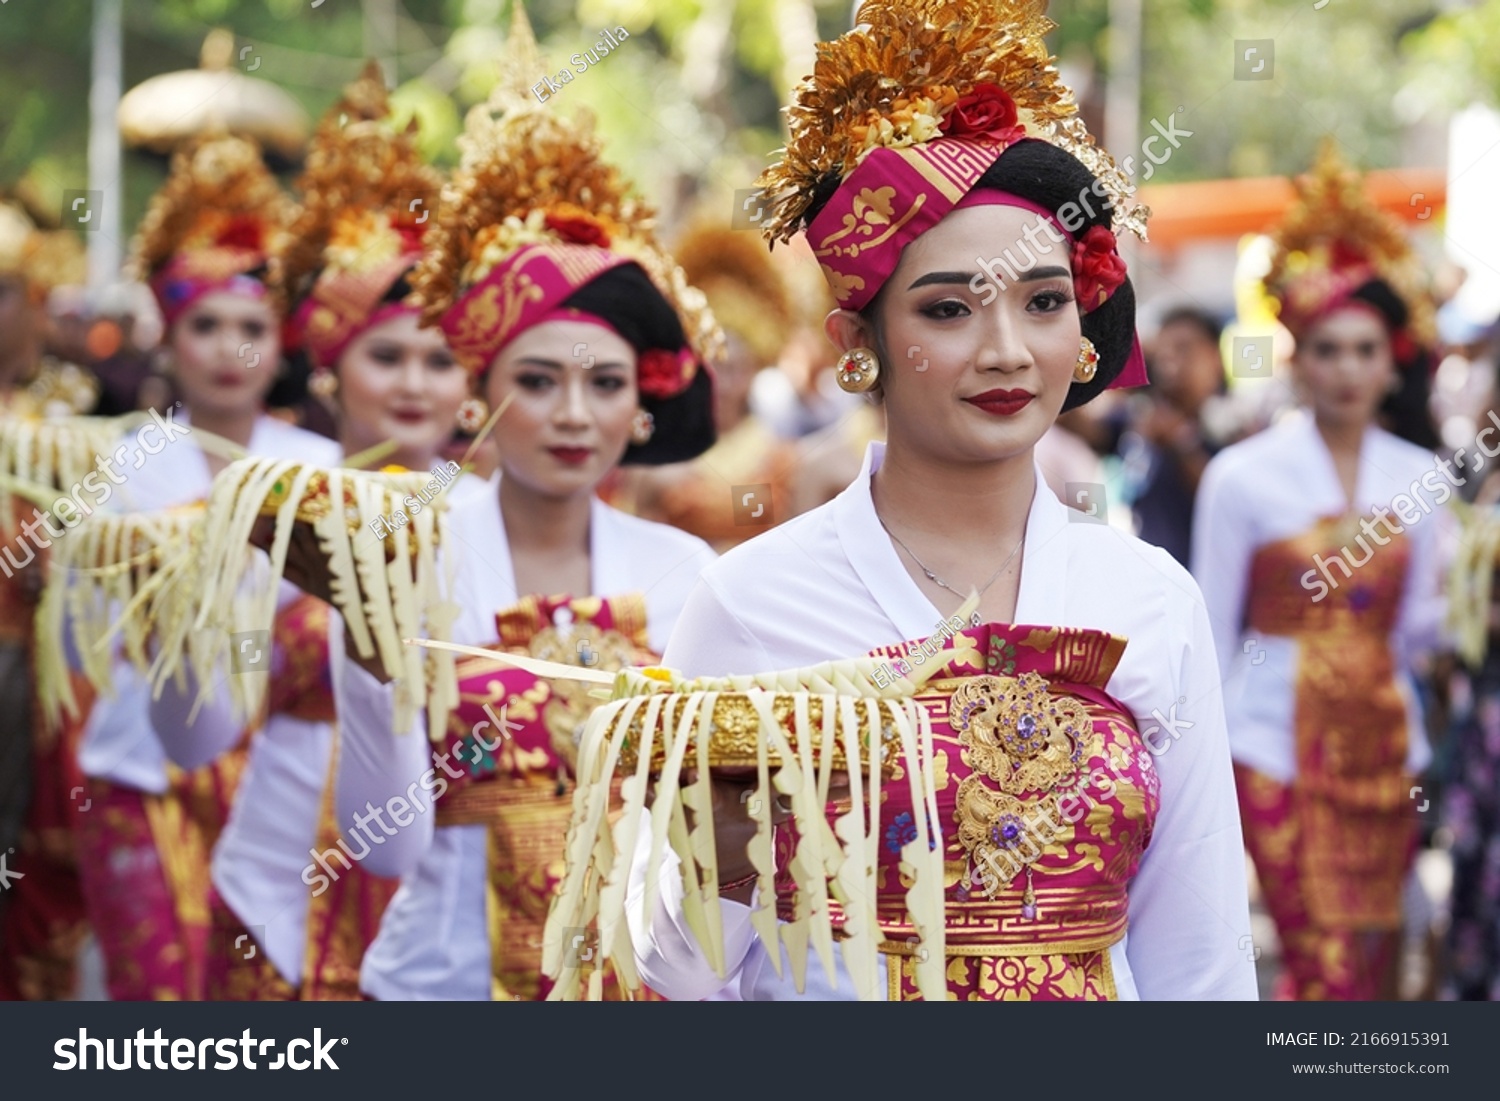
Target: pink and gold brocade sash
(1351, 788)
(1036, 768)
(519, 789)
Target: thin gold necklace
(936, 580)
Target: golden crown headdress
(43, 258)
(528, 176)
(219, 200)
(894, 80)
(366, 193)
(1332, 239)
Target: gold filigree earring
(1088, 361)
(323, 383)
(641, 428)
(858, 370)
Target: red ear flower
(661, 374)
(573, 223)
(1097, 268)
(986, 113)
(410, 234)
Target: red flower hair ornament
(661, 374)
(987, 113)
(1097, 268)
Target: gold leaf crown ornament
(896, 81)
(367, 197)
(42, 259)
(1333, 240)
(213, 224)
(532, 214)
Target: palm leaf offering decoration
(380, 579)
(53, 453)
(94, 573)
(797, 729)
(191, 581)
(1471, 580)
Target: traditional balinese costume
(1318, 615)
(42, 918)
(1075, 789)
(741, 485)
(343, 270)
(145, 842)
(532, 217)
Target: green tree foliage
(689, 104)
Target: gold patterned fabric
(1046, 793)
(517, 781)
(1350, 795)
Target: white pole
(382, 28)
(1122, 104)
(104, 248)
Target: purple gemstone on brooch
(1006, 832)
(1026, 725)
(1028, 912)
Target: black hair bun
(629, 301)
(684, 423)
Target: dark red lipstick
(1002, 403)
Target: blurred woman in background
(342, 275)
(42, 919)
(570, 319)
(1318, 546)
(145, 841)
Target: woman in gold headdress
(739, 487)
(42, 920)
(366, 200)
(144, 843)
(573, 323)
(1080, 775)
(1318, 613)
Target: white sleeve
(708, 640)
(666, 951)
(1189, 925)
(215, 730)
(1223, 545)
(376, 765)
